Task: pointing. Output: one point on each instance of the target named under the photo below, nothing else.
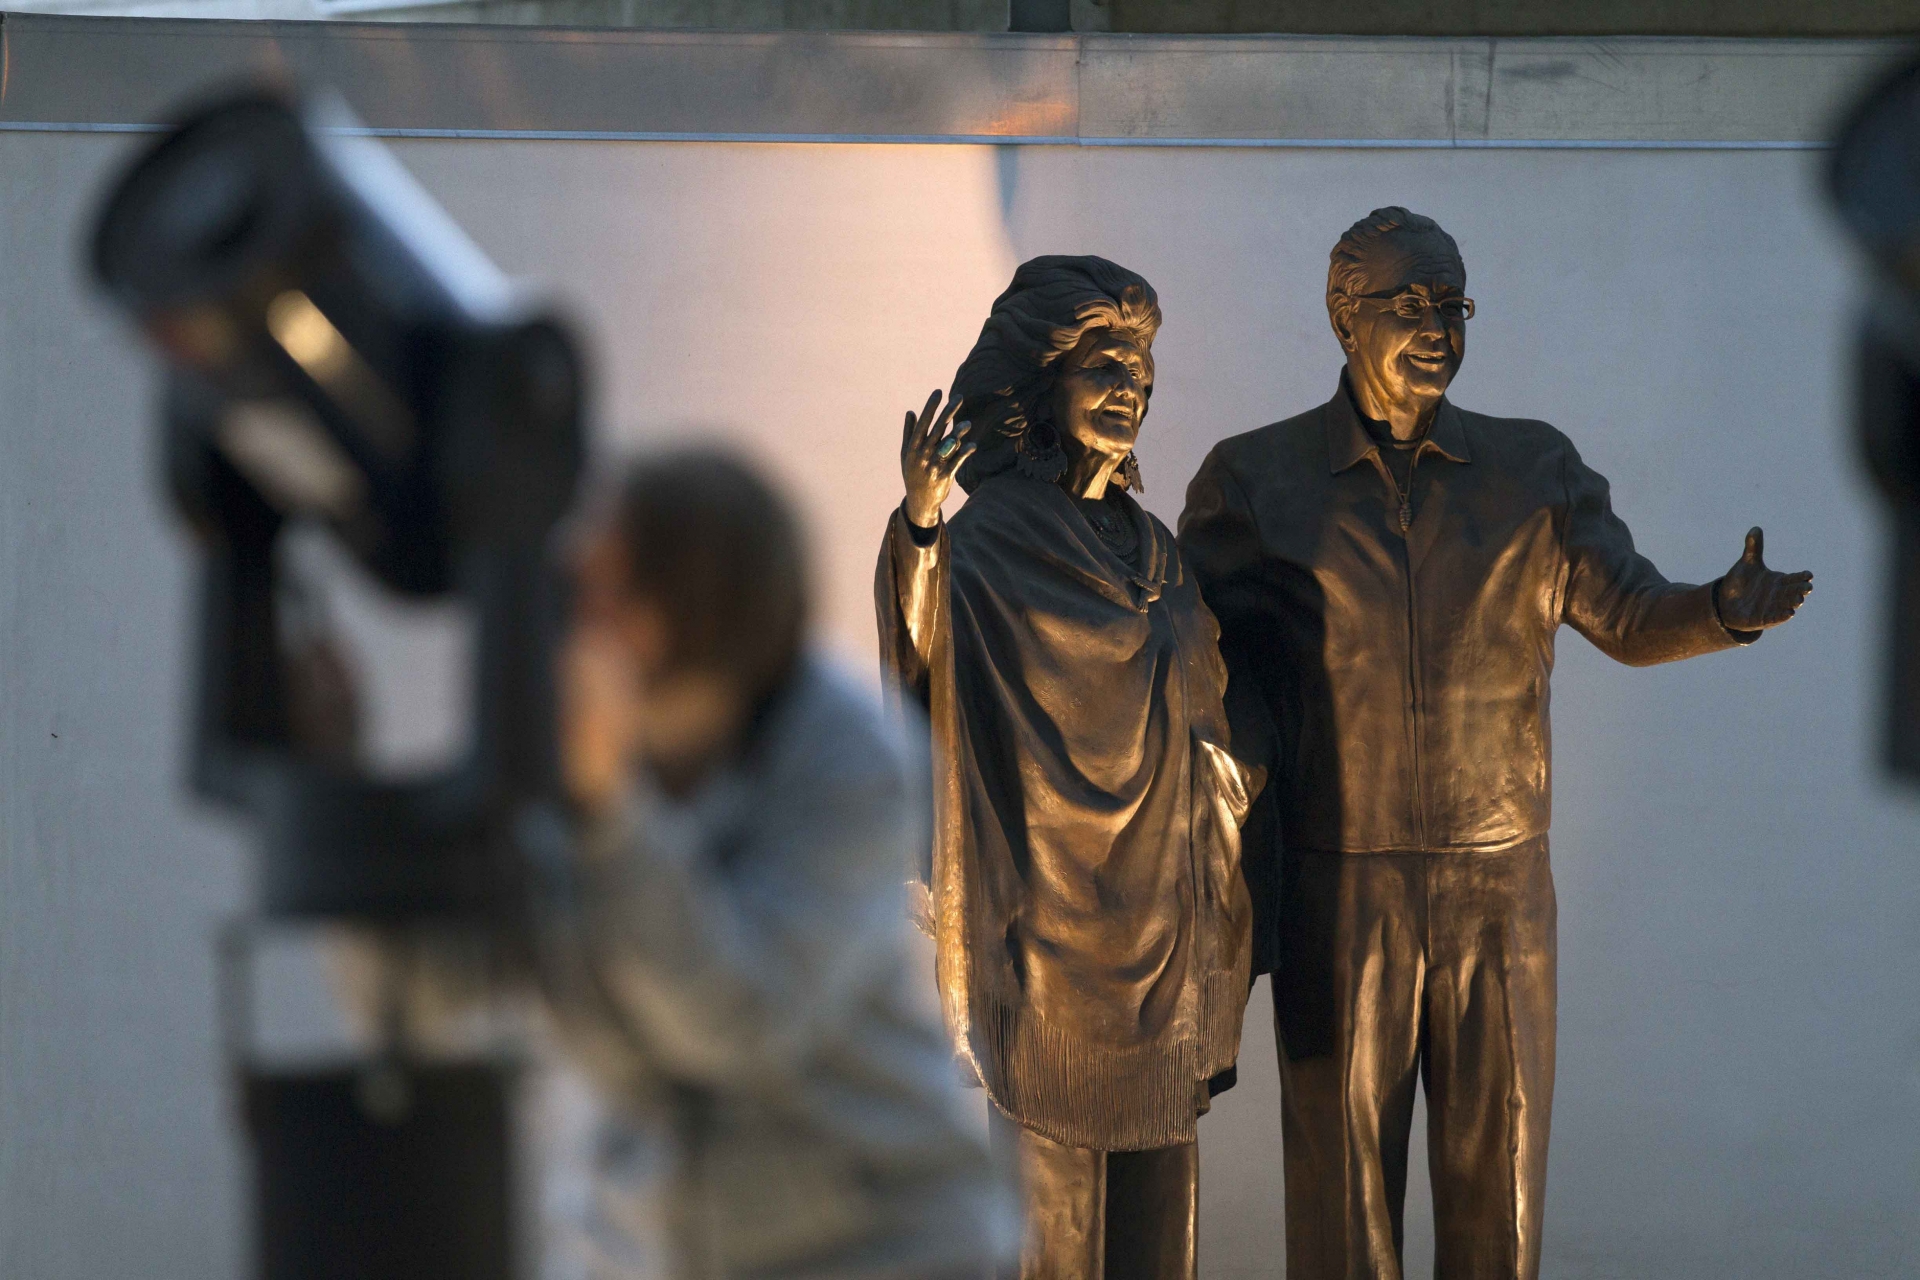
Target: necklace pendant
(1406, 515)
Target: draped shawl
(1084, 889)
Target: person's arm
(1220, 545)
(1220, 542)
(1616, 598)
(909, 599)
(910, 582)
(730, 963)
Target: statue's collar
(1349, 442)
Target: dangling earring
(1130, 473)
(1037, 453)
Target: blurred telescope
(1874, 178)
(340, 357)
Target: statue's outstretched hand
(1752, 597)
(930, 457)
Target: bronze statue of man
(1091, 924)
(1389, 572)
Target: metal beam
(496, 81)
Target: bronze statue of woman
(1084, 891)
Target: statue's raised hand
(930, 457)
(1753, 597)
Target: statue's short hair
(1007, 379)
(720, 552)
(1347, 262)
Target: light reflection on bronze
(1389, 572)
(1104, 1215)
(1090, 919)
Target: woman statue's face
(1100, 395)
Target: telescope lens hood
(1874, 174)
(228, 194)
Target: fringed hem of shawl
(1144, 1096)
(1227, 994)
(1110, 1098)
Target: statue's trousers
(1397, 965)
(1102, 1215)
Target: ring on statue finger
(947, 446)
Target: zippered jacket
(1395, 683)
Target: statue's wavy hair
(1006, 382)
(1347, 264)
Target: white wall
(1740, 915)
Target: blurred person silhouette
(724, 946)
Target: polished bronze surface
(1402, 964)
(1086, 900)
(1119, 1215)
(1389, 572)
(1404, 675)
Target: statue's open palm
(930, 457)
(1752, 597)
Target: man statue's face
(1402, 346)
